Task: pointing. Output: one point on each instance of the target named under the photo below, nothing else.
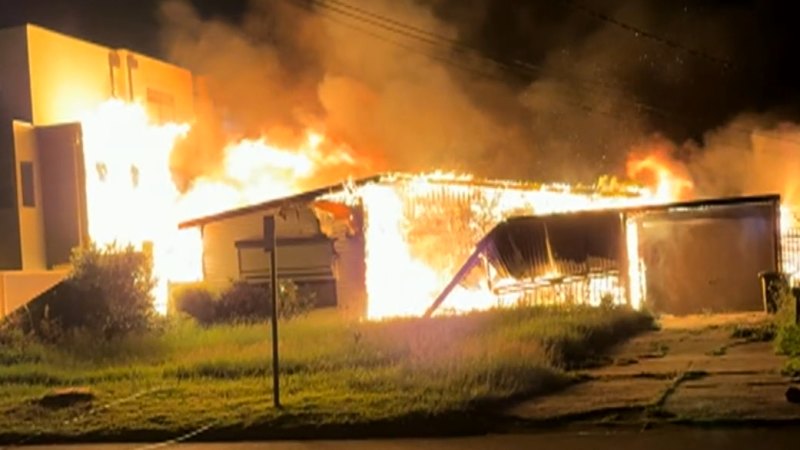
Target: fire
(668, 181)
(127, 164)
(407, 269)
(254, 171)
(132, 198)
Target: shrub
(109, 292)
(785, 301)
(294, 301)
(198, 302)
(787, 341)
(15, 346)
(243, 302)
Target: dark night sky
(706, 62)
(119, 23)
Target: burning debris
(423, 227)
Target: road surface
(672, 438)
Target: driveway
(692, 369)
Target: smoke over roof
(552, 90)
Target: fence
(790, 245)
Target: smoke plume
(286, 67)
(513, 89)
(751, 155)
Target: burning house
(676, 258)
(88, 138)
(381, 246)
(398, 245)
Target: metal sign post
(269, 246)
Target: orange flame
(666, 178)
(132, 199)
(404, 276)
(127, 163)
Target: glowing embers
(561, 259)
(594, 288)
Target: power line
(391, 21)
(433, 39)
(517, 68)
(647, 34)
(437, 42)
(443, 59)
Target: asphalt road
(673, 438)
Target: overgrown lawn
(333, 372)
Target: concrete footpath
(692, 370)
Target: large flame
(132, 198)
(666, 179)
(419, 229)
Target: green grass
(787, 342)
(333, 372)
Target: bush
(108, 292)
(198, 302)
(787, 342)
(15, 346)
(243, 302)
(294, 301)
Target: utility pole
(271, 247)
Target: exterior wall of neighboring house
(63, 191)
(70, 77)
(29, 198)
(14, 104)
(166, 91)
(10, 251)
(15, 86)
(48, 83)
(233, 250)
